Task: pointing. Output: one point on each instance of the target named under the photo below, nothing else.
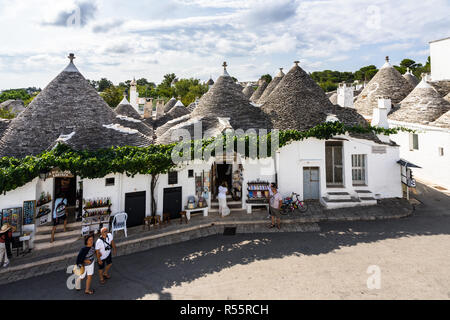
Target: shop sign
(57, 173)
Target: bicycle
(292, 203)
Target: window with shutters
(359, 169)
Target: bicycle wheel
(303, 207)
(284, 210)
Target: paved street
(412, 255)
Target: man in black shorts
(103, 248)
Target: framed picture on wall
(13, 216)
(29, 208)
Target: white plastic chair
(120, 223)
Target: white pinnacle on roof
(280, 74)
(124, 100)
(225, 73)
(179, 104)
(71, 67)
(386, 64)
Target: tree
(112, 96)
(104, 84)
(267, 78)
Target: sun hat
(5, 228)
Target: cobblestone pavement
(411, 254)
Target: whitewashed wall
(435, 168)
(187, 184)
(383, 172)
(440, 67)
(15, 198)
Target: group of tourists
(100, 250)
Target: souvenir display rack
(258, 192)
(97, 212)
(237, 184)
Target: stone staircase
(233, 205)
(342, 199)
(44, 233)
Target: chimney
(148, 108)
(159, 108)
(345, 95)
(379, 118)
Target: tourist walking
(86, 259)
(103, 248)
(276, 201)
(222, 197)
(59, 214)
(5, 232)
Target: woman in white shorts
(86, 257)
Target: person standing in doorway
(86, 258)
(5, 232)
(276, 201)
(222, 197)
(59, 214)
(103, 248)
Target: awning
(407, 164)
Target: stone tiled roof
(387, 83)
(175, 112)
(68, 104)
(443, 121)
(126, 109)
(423, 105)
(223, 102)
(248, 91)
(299, 103)
(443, 87)
(3, 125)
(101, 136)
(169, 105)
(412, 79)
(259, 92)
(275, 81)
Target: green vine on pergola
(152, 160)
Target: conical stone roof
(442, 86)
(248, 91)
(275, 81)
(333, 98)
(67, 104)
(223, 105)
(423, 105)
(297, 102)
(169, 105)
(411, 78)
(3, 125)
(259, 92)
(443, 121)
(126, 109)
(387, 83)
(178, 110)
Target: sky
(120, 40)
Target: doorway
(334, 163)
(172, 202)
(224, 172)
(311, 180)
(135, 208)
(67, 187)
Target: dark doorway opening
(67, 187)
(172, 202)
(224, 172)
(135, 208)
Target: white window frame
(359, 169)
(411, 141)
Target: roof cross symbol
(71, 57)
(224, 65)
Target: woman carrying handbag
(85, 264)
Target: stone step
(342, 203)
(339, 196)
(72, 234)
(47, 228)
(57, 244)
(230, 204)
(216, 210)
(363, 191)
